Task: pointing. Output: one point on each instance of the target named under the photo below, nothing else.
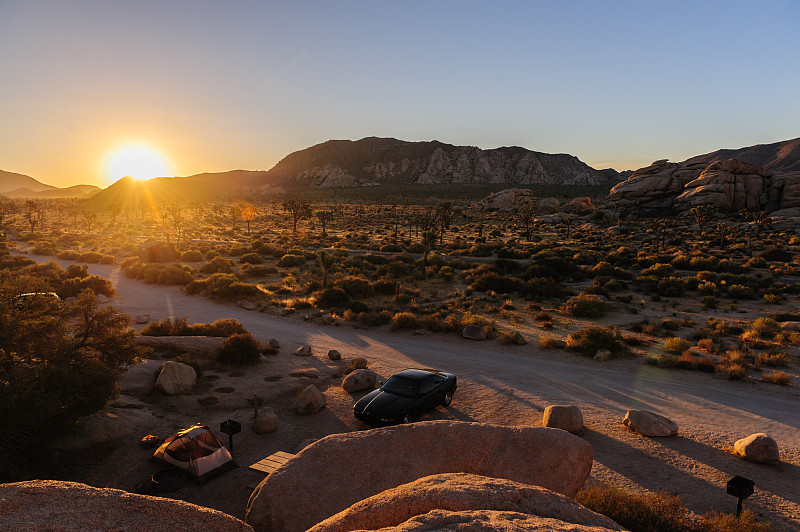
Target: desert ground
(498, 384)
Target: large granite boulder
(55, 505)
(176, 378)
(759, 447)
(489, 521)
(388, 457)
(730, 186)
(564, 417)
(508, 200)
(649, 423)
(139, 379)
(309, 400)
(459, 492)
(653, 189)
(360, 379)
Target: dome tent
(196, 450)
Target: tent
(196, 450)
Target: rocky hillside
(774, 158)
(13, 185)
(385, 161)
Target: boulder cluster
(729, 185)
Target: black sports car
(406, 396)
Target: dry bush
(587, 341)
(676, 345)
(239, 349)
(550, 342)
(773, 359)
(777, 377)
(404, 320)
(585, 306)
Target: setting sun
(138, 161)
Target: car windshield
(401, 386)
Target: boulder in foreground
(55, 505)
(564, 417)
(649, 423)
(459, 492)
(759, 448)
(388, 457)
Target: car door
(429, 393)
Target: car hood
(382, 405)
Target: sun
(139, 161)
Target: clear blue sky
(240, 84)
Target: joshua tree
(444, 213)
(248, 214)
(702, 215)
(298, 209)
(325, 217)
(527, 212)
(326, 261)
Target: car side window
(429, 385)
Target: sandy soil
(509, 385)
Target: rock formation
(360, 379)
(379, 161)
(551, 458)
(460, 492)
(729, 185)
(508, 199)
(310, 400)
(55, 505)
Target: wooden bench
(272, 462)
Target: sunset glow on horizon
(138, 161)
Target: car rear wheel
(448, 398)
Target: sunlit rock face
(729, 186)
(385, 161)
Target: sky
(240, 84)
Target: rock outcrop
(508, 200)
(553, 459)
(360, 379)
(386, 161)
(730, 185)
(649, 423)
(310, 400)
(460, 492)
(55, 505)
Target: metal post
(739, 508)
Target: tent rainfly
(198, 451)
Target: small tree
(299, 210)
(703, 214)
(248, 214)
(326, 261)
(325, 217)
(527, 212)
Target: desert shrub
(44, 248)
(659, 270)
(404, 320)
(391, 248)
(773, 359)
(728, 266)
(92, 257)
(550, 342)
(585, 306)
(733, 371)
(217, 265)
(239, 349)
(676, 345)
(374, 319)
(196, 287)
(291, 261)
(681, 262)
(671, 287)
(738, 291)
(355, 287)
(548, 264)
(588, 340)
(777, 377)
(765, 327)
(255, 270)
(386, 288)
(647, 283)
(776, 254)
(251, 258)
(497, 283)
(191, 255)
(652, 512)
(756, 262)
(703, 263)
(173, 275)
(542, 287)
(332, 298)
(660, 512)
(68, 254)
(179, 327)
(707, 288)
(97, 284)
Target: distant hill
(374, 161)
(11, 181)
(781, 156)
(13, 185)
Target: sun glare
(138, 161)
